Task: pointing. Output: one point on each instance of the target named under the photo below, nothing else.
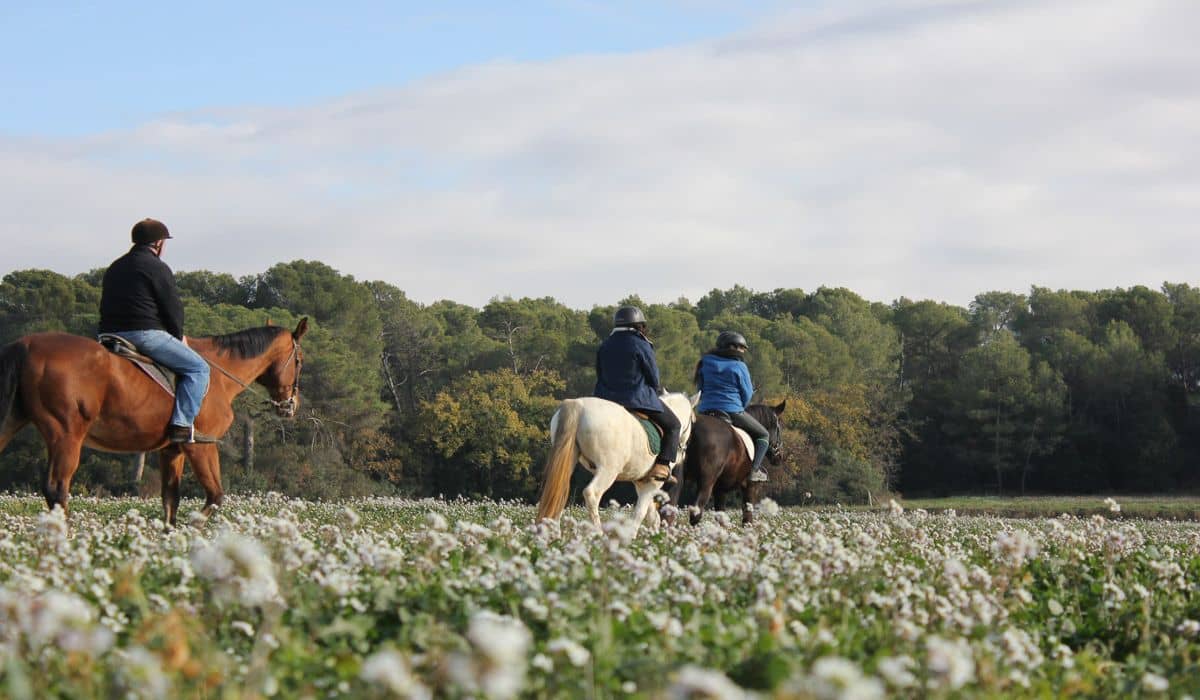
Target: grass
(1149, 506)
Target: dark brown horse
(76, 393)
(718, 463)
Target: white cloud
(920, 149)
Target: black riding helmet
(731, 339)
(628, 317)
(149, 231)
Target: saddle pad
(746, 440)
(653, 437)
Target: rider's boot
(757, 471)
(662, 472)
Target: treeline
(1064, 391)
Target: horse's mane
(764, 414)
(251, 342)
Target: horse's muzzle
(287, 407)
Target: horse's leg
(702, 496)
(645, 491)
(170, 466)
(10, 432)
(748, 503)
(63, 445)
(602, 480)
(206, 463)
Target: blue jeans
(192, 381)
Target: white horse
(609, 442)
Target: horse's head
(768, 416)
(282, 378)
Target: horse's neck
(244, 369)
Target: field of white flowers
(397, 598)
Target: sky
(588, 151)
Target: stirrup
(187, 435)
(758, 475)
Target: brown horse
(717, 461)
(76, 393)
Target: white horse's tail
(561, 462)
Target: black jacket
(139, 294)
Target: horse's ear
(269, 323)
(301, 328)
(779, 409)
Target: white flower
(140, 674)
(768, 508)
(895, 508)
(52, 526)
(388, 669)
(436, 521)
(1015, 547)
(499, 639)
(695, 683)
(835, 677)
(497, 668)
(1155, 683)
(238, 568)
(1188, 628)
(897, 671)
(244, 627)
(535, 608)
(950, 662)
(1112, 504)
(1054, 607)
(350, 519)
(576, 654)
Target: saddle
(125, 350)
(653, 432)
(747, 441)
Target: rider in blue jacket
(627, 374)
(724, 383)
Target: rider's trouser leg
(670, 440)
(759, 434)
(192, 371)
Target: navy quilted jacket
(626, 371)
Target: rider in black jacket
(140, 303)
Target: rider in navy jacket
(724, 383)
(627, 374)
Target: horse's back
(66, 354)
(55, 344)
(607, 432)
(715, 452)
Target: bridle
(285, 407)
(776, 448)
(289, 405)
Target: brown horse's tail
(561, 461)
(12, 360)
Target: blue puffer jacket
(626, 371)
(724, 384)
